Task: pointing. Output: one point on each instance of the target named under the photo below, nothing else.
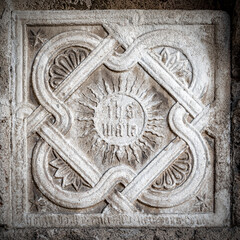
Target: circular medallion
(120, 118)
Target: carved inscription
(119, 119)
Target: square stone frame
(20, 217)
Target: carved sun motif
(121, 116)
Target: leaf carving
(177, 64)
(67, 174)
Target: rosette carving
(67, 174)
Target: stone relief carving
(201, 203)
(37, 38)
(117, 126)
(119, 116)
(37, 203)
(176, 63)
(64, 64)
(123, 120)
(67, 174)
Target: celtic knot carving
(132, 114)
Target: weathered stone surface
(236, 42)
(106, 233)
(123, 234)
(5, 119)
(236, 112)
(120, 119)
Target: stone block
(120, 119)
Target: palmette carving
(174, 175)
(65, 63)
(176, 63)
(128, 124)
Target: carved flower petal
(68, 179)
(61, 172)
(65, 63)
(57, 163)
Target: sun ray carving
(121, 117)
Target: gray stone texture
(233, 232)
